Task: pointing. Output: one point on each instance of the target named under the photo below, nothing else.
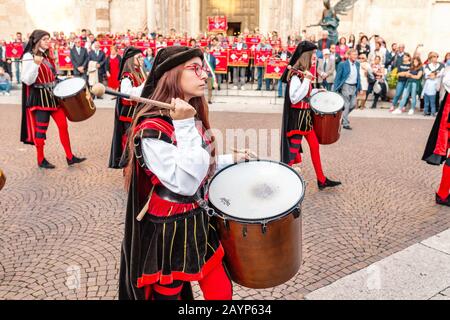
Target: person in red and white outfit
(38, 101)
(297, 114)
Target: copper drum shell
(257, 259)
(2, 179)
(79, 107)
(327, 127)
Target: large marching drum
(75, 98)
(258, 218)
(327, 111)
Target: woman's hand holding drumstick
(243, 154)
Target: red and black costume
(39, 103)
(174, 243)
(297, 123)
(436, 150)
(125, 110)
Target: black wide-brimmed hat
(302, 47)
(34, 38)
(128, 53)
(167, 59)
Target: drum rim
(73, 94)
(316, 111)
(260, 221)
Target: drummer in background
(436, 150)
(297, 114)
(131, 81)
(171, 158)
(38, 101)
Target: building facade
(408, 21)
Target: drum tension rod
(244, 231)
(226, 224)
(264, 227)
(297, 213)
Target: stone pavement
(60, 230)
(419, 272)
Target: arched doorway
(240, 14)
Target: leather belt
(49, 85)
(168, 195)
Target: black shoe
(445, 202)
(347, 127)
(426, 114)
(46, 165)
(75, 160)
(328, 184)
(209, 102)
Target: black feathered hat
(167, 59)
(302, 47)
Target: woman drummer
(168, 239)
(297, 116)
(38, 101)
(131, 78)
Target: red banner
(64, 61)
(106, 50)
(239, 58)
(221, 61)
(14, 50)
(275, 68)
(217, 24)
(261, 57)
(252, 42)
(144, 45)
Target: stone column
(102, 19)
(193, 19)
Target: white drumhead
(69, 87)
(256, 190)
(326, 102)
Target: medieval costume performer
(131, 78)
(38, 101)
(436, 150)
(297, 114)
(169, 240)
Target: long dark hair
(303, 63)
(419, 64)
(169, 87)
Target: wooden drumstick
(99, 90)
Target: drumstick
(99, 90)
(250, 153)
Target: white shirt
(30, 69)
(353, 77)
(431, 86)
(126, 86)
(183, 167)
(298, 89)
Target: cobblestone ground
(57, 224)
